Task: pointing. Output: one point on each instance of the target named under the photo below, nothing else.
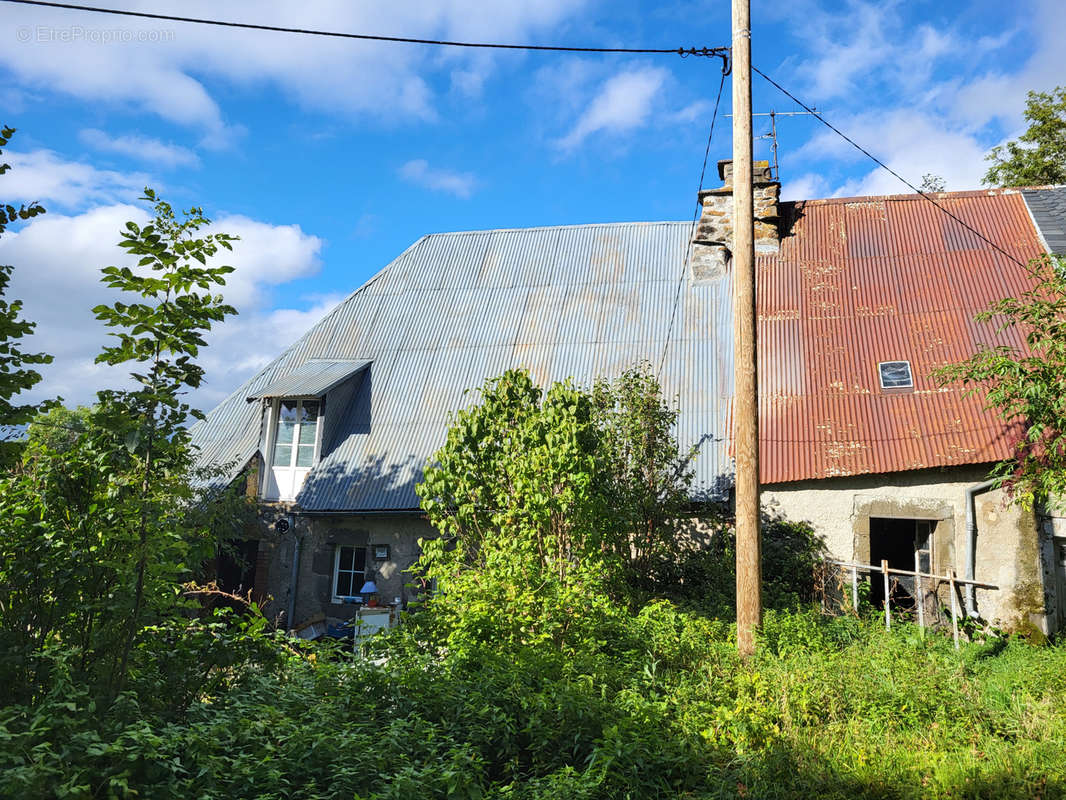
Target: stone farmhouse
(858, 300)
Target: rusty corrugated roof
(865, 280)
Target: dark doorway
(236, 565)
(905, 544)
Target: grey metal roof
(456, 308)
(313, 378)
(1048, 207)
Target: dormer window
(294, 406)
(295, 444)
(896, 375)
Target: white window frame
(881, 375)
(272, 489)
(336, 598)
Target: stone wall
(1009, 544)
(712, 243)
(319, 536)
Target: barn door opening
(905, 544)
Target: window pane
(307, 432)
(896, 374)
(347, 553)
(285, 431)
(283, 455)
(305, 455)
(344, 584)
(360, 558)
(309, 411)
(288, 410)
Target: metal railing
(951, 579)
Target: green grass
(827, 708)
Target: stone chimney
(712, 245)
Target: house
(858, 299)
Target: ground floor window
(349, 571)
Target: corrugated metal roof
(456, 308)
(865, 280)
(856, 282)
(1048, 207)
(313, 378)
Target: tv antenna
(772, 135)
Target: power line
(883, 165)
(717, 52)
(695, 216)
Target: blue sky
(330, 157)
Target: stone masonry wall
(319, 537)
(713, 240)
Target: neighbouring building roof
(865, 280)
(1048, 207)
(856, 282)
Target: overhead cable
(695, 218)
(884, 166)
(716, 52)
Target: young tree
(648, 479)
(100, 526)
(549, 504)
(15, 377)
(1027, 390)
(1038, 156)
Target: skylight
(895, 375)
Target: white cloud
(885, 78)
(699, 110)
(244, 344)
(420, 173)
(912, 142)
(144, 148)
(57, 274)
(623, 103)
(172, 73)
(804, 187)
(43, 175)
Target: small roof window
(895, 375)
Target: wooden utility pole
(745, 402)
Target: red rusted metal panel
(864, 280)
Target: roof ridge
(632, 223)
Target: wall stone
(1008, 541)
(319, 537)
(714, 230)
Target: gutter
(971, 542)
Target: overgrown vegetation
(661, 707)
(1027, 389)
(580, 643)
